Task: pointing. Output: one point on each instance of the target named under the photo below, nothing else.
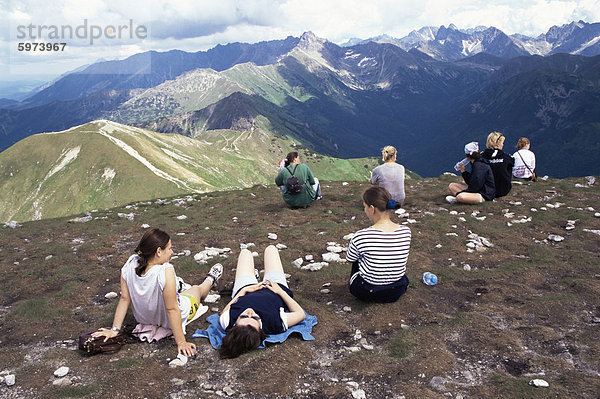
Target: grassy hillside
(525, 308)
(104, 164)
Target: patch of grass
(73, 392)
(554, 298)
(35, 309)
(459, 318)
(67, 290)
(516, 388)
(402, 345)
(123, 364)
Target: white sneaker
(215, 273)
(451, 199)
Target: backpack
(293, 185)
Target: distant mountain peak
(310, 40)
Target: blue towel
(215, 332)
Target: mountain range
(349, 101)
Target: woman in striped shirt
(379, 253)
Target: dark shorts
(377, 293)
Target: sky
(194, 25)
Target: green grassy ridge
(221, 159)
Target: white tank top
(146, 293)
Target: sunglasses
(245, 316)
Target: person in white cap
(480, 180)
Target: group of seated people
(378, 255)
(492, 170)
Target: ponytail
(290, 158)
(146, 249)
(388, 153)
(380, 198)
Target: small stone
(438, 246)
(181, 217)
(326, 285)
(177, 381)
(181, 360)
(272, 236)
(359, 394)
(111, 295)
(281, 246)
(348, 236)
(555, 238)
(467, 268)
(367, 347)
(12, 224)
(352, 384)
(539, 383)
(438, 383)
(471, 245)
(325, 291)
(298, 262)
(10, 380)
(344, 183)
(331, 257)
(404, 326)
(62, 382)
(145, 226)
(309, 257)
(347, 309)
(597, 214)
(61, 372)
(48, 257)
(229, 391)
(212, 298)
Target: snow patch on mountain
(471, 47)
(66, 158)
(106, 131)
(108, 175)
(587, 44)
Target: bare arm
(120, 314)
(174, 314)
(296, 314)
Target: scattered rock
(212, 298)
(539, 383)
(255, 254)
(325, 291)
(331, 257)
(128, 216)
(80, 219)
(62, 382)
(110, 295)
(145, 226)
(202, 257)
(438, 383)
(246, 246)
(298, 262)
(180, 360)
(592, 231)
(467, 268)
(438, 246)
(326, 285)
(228, 391)
(348, 236)
(359, 394)
(280, 246)
(272, 236)
(309, 257)
(597, 214)
(591, 180)
(555, 238)
(9, 379)
(352, 384)
(313, 267)
(347, 309)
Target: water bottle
(430, 278)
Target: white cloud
(194, 25)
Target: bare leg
(272, 260)
(245, 265)
(456, 188)
(469, 198)
(200, 291)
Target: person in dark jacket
(311, 189)
(480, 180)
(500, 162)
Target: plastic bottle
(430, 278)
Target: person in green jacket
(307, 186)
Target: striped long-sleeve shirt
(381, 255)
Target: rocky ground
(517, 298)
